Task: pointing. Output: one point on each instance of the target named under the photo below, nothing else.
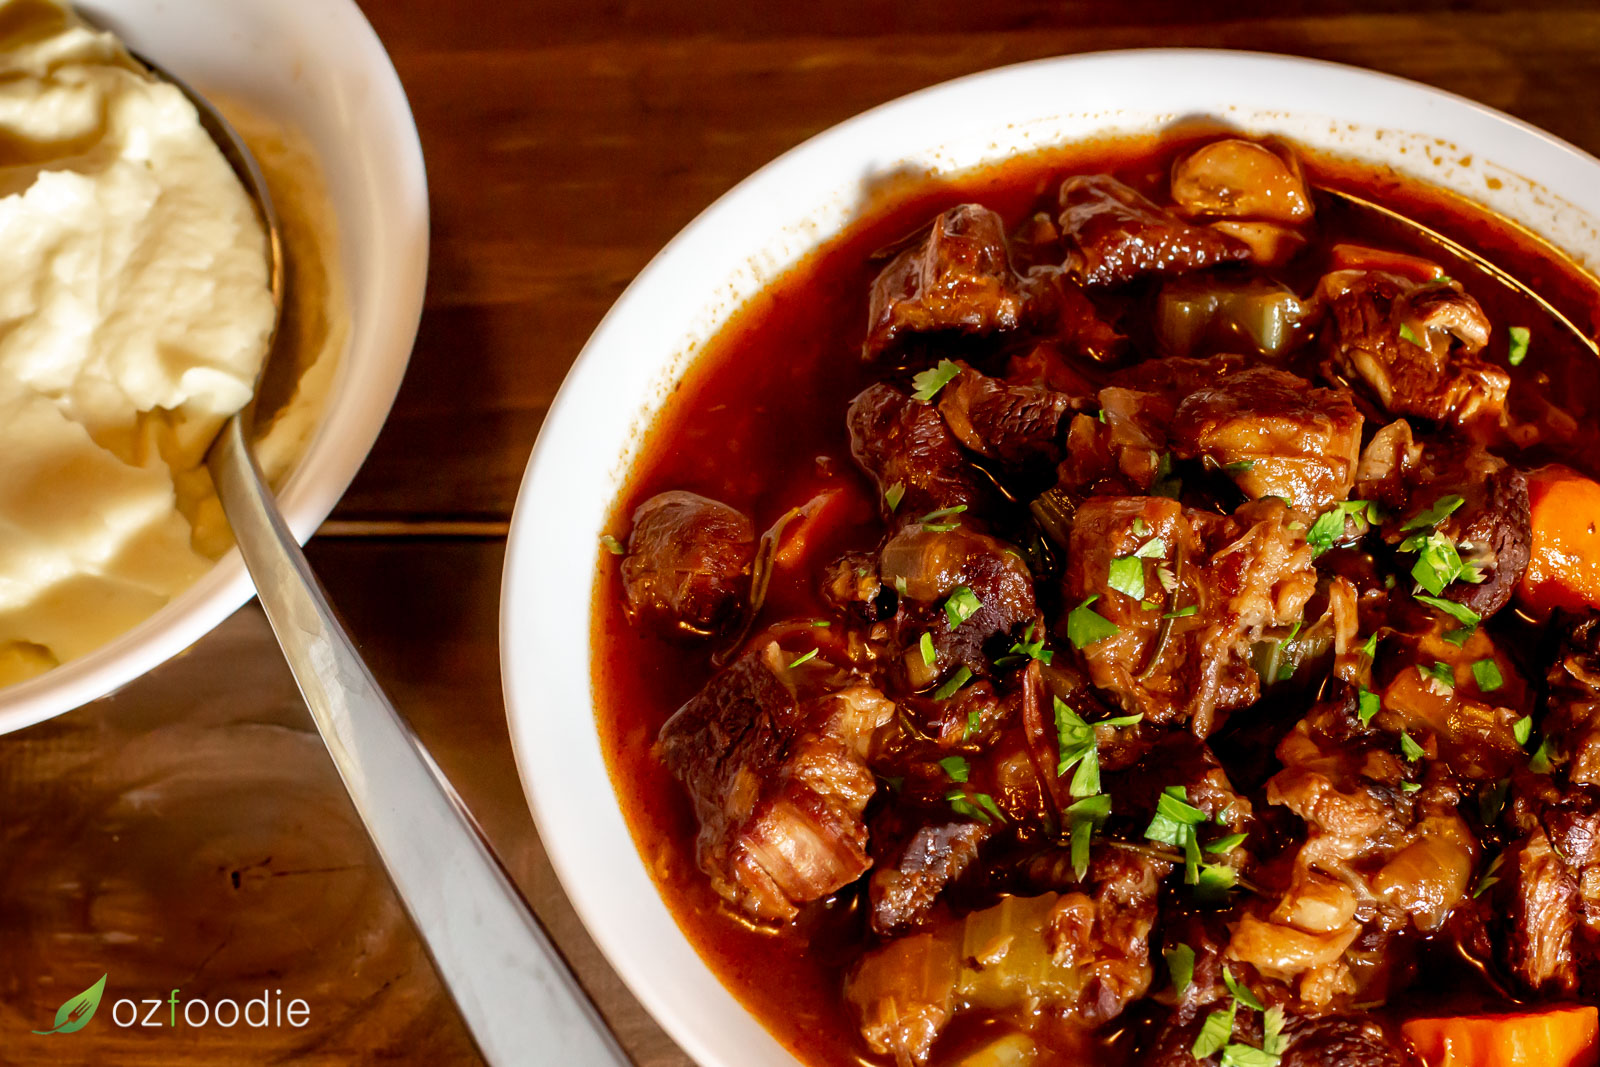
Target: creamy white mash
(134, 314)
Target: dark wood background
(188, 832)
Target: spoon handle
(517, 995)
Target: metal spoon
(520, 1000)
(1461, 253)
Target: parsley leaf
(1155, 548)
(956, 767)
(1370, 647)
(1517, 351)
(1167, 483)
(1026, 648)
(1367, 703)
(1239, 467)
(974, 722)
(1435, 513)
(1464, 615)
(1240, 991)
(612, 545)
(1409, 748)
(962, 676)
(1272, 1039)
(1540, 763)
(1086, 626)
(1409, 334)
(806, 658)
(1487, 674)
(925, 646)
(1223, 845)
(980, 806)
(1180, 965)
(1183, 612)
(1126, 576)
(1493, 801)
(1489, 877)
(1523, 730)
(1439, 676)
(1212, 884)
(1331, 524)
(1078, 747)
(1214, 1033)
(961, 605)
(894, 494)
(1239, 1055)
(1085, 817)
(929, 382)
(934, 520)
(1438, 563)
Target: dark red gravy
(758, 422)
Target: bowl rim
(345, 434)
(524, 676)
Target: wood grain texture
(188, 831)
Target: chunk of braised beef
(1415, 348)
(1119, 236)
(1490, 528)
(688, 562)
(1274, 435)
(957, 278)
(1211, 586)
(961, 588)
(1176, 377)
(1010, 423)
(1119, 451)
(917, 855)
(902, 442)
(1540, 940)
(1572, 707)
(772, 760)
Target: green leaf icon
(76, 1012)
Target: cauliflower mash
(134, 316)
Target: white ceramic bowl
(768, 222)
(315, 65)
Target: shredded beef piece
(1414, 347)
(1010, 423)
(958, 278)
(904, 442)
(1275, 435)
(688, 562)
(915, 862)
(777, 781)
(1119, 236)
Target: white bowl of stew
(726, 370)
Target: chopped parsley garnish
(1464, 615)
(1439, 676)
(1085, 817)
(1126, 576)
(1212, 884)
(1518, 349)
(1154, 548)
(1409, 334)
(974, 723)
(1140, 527)
(926, 648)
(1487, 674)
(1458, 637)
(1240, 467)
(1183, 612)
(1224, 845)
(894, 494)
(1024, 649)
(820, 624)
(1078, 747)
(1215, 1032)
(1490, 876)
(1370, 646)
(1435, 513)
(612, 545)
(1409, 748)
(1174, 824)
(1240, 991)
(1410, 787)
(1540, 763)
(956, 767)
(1330, 525)
(980, 806)
(961, 605)
(1166, 484)
(928, 383)
(962, 676)
(1180, 965)
(803, 658)
(1085, 626)
(1367, 704)
(1438, 562)
(1272, 1039)
(934, 522)
(1523, 730)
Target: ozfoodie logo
(269, 1009)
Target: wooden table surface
(188, 832)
